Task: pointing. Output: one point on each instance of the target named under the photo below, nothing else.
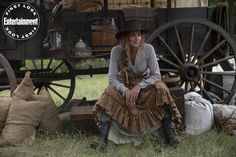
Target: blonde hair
(125, 56)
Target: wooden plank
(82, 113)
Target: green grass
(210, 144)
(86, 86)
(74, 144)
(90, 87)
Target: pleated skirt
(149, 111)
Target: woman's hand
(132, 96)
(127, 98)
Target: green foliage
(90, 87)
(43, 64)
(98, 62)
(86, 86)
(216, 2)
(81, 64)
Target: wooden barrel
(103, 34)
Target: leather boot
(102, 140)
(170, 138)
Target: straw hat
(131, 25)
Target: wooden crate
(83, 118)
(177, 94)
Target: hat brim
(120, 34)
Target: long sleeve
(114, 70)
(153, 66)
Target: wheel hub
(189, 72)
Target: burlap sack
(5, 103)
(51, 121)
(22, 119)
(82, 5)
(225, 117)
(26, 88)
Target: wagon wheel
(8, 79)
(56, 75)
(186, 48)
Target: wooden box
(177, 94)
(83, 118)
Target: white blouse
(145, 66)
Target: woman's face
(134, 39)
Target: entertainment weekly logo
(20, 21)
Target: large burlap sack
(225, 117)
(199, 116)
(25, 90)
(5, 103)
(23, 118)
(82, 5)
(51, 121)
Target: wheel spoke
(10, 76)
(202, 45)
(49, 64)
(217, 86)
(186, 86)
(41, 63)
(202, 89)
(54, 91)
(170, 70)
(38, 89)
(60, 85)
(35, 66)
(169, 62)
(207, 95)
(192, 86)
(216, 62)
(58, 67)
(210, 52)
(226, 73)
(181, 83)
(180, 44)
(26, 68)
(191, 44)
(171, 51)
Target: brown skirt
(149, 111)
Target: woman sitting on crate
(136, 100)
